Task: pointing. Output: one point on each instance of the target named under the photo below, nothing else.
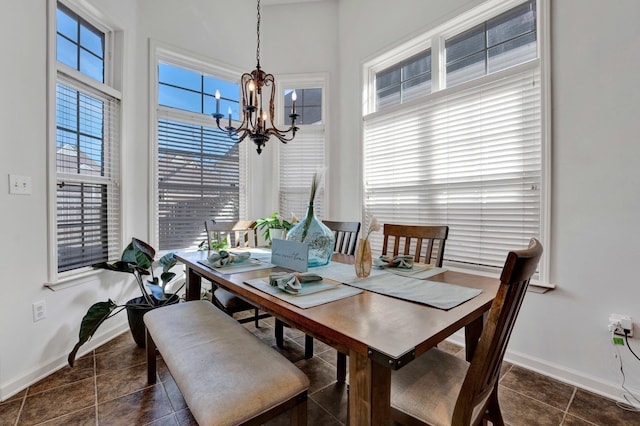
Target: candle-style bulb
(217, 94)
(294, 97)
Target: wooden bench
(227, 375)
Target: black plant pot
(136, 308)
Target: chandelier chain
(258, 33)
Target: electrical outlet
(619, 323)
(39, 310)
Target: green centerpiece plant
(275, 221)
(138, 260)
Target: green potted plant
(137, 259)
(275, 221)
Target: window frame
(434, 39)
(304, 81)
(161, 52)
(111, 86)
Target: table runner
(312, 294)
(237, 268)
(393, 283)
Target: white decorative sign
(290, 254)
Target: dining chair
(237, 234)
(442, 389)
(427, 241)
(346, 236)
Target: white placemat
(419, 271)
(439, 295)
(312, 294)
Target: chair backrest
(428, 241)
(346, 234)
(484, 369)
(237, 233)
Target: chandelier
(257, 120)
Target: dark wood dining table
(379, 333)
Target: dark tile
(185, 418)
(539, 387)
(175, 396)
(137, 408)
(169, 420)
(86, 417)
(331, 357)
(570, 420)
(449, 347)
(117, 383)
(333, 398)
(82, 369)
(320, 373)
(122, 341)
(124, 357)
(316, 416)
(601, 411)
(9, 412)
(58, 402)
(520, 410)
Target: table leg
(193, 285)
(472, 332)
(369, 392)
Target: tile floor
(109, 387)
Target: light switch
(20, 185)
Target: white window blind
(299, 160)
(198, 180)
(468, 157)
(88, 170)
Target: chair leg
(151, 358)
(256, 317)
(308, 346)
(493, 409)
(279, 333)
(341, 367)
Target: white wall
(596, 203)
(596, 200)
(205, 28)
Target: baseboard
(607, 389)
(7, 390)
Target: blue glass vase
(320, 238)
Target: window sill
(72, 280)
(535, 286)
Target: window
(405, 81)
(305, 155)
(198, 165)
(498, 43)
(471, 156)
(87, 145)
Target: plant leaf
(167, 261)
(156, 291)
(96, 315)
(166, 277)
